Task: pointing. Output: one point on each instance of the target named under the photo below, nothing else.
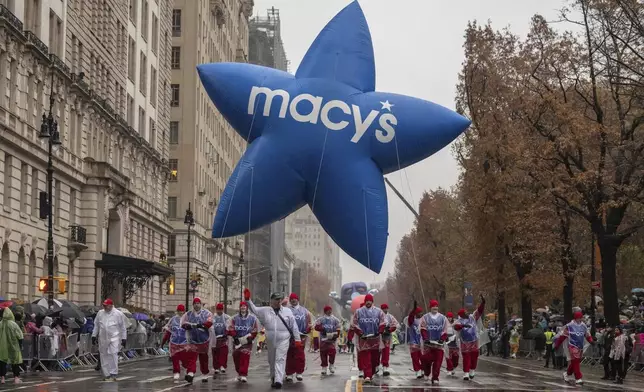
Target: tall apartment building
(204, 148)
(109, 62)
(309, 243)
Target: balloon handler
(577, 334)
(453, 352)
(197, 323)
(296, 357)
(329, 327)
(468, 328)
(368, 323)
(179, 347)
(243, 329)
(219, 339)
(433, 328)
(281, 329)
(414, 339)
(391, 324)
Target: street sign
(596, 285)
(194, 284)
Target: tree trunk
(501, 307)
(568, 291)
(608, 250)
(526, 307)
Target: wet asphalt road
(155, 375)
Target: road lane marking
(85, 370)
(512, 375)
(29, 386)
(347, 386)
(124, 378)
(77, 380)
(155, 379)
(554, 384)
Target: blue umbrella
(140, 316)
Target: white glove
(243, 340)
(331, 335)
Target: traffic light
(43, 285)
(198, 279)
(170, 285)
(61, 285)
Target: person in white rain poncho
(111, 333)
(281, 328)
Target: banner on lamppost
(468, 298)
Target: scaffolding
(266, 46)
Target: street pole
(226, 289)
(189, 221)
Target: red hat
(384, 306)
(196, 300)
(327, 307)
(293, 296)
(368, 297)
(450, 315)
(418, 310)
(433, 304)
(108, 301)
(181, 308)
(461, 313)
(219, 306)
(242, 303)
(578, 315)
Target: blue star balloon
(323, 137)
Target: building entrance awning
(130, 273)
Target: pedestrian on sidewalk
(452, 346)
(243, 328)
(197, 323)
(281, 329)
(368, 323)
(619, 355)
(468, 328)
(414, 339)
(219, 339)
(575, 332)
(11, 338)
(329, 328)
(178, 344)
(110, 332)
(550, 352)
(608, 336)
(296, 357)
(391, 325)
(433, 327)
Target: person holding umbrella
(111, 334)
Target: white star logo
(386, 105)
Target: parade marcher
(468, 328)
(296, 358)
(110, 332)
(414, 339)
(452, 346)
(219, 339)
(391, 324)
(575, 331)
(281, 329)
(243, 328)
(11, 338)
(178, 344)
(433, 327)
(329, 327)
(197, 323)
(368, 323)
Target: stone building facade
(204, 148)
(109, 62)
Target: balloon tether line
(411, 237)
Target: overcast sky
(418, 49)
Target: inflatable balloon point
(323, 137)
(356, 302)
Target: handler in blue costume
(296, 359)
(243, 328)
(178, 342)
(219, 339)
(329, 328)
(197, 322)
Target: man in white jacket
(111, 333)
(281, 328)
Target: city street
(154, 375)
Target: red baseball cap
(107, 302)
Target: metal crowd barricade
(527, 348)
(85, 353)
(592, 355)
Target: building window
(130, 110)
(176, 23)
(32, 14)
(174, 99)
(174, 132)
(155, 34)
(176, 57)
(144, 20)
(72, 207)
(131, 60)
(55, 34)
(24, 183)
(174, 169)
(153, 133)
(35, 192)
(141, 122)
(133, 9)
(172, 207)
(172, 245)
(8, 177)
(153, 87)
(143, 77)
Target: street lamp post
(50, 137)
(189, 221)
(241, 263)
